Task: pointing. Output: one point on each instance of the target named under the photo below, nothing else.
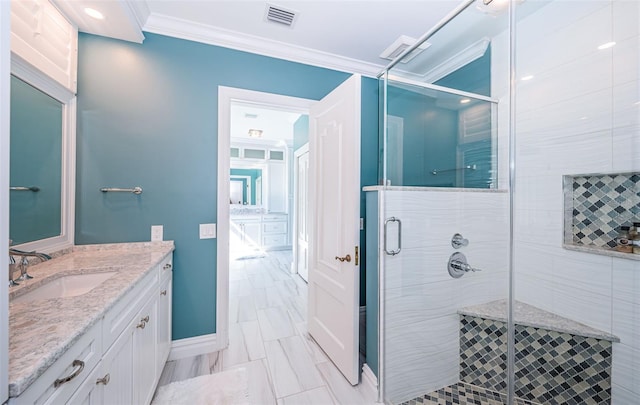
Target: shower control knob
(458, 241)
(458, 265)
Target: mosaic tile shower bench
(558, 361)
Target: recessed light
(465, 101)
(607, 45)
(527, 77)
(255, 133)
(94, 13)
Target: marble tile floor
(268, 336)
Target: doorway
(334, 222)
(262, 224)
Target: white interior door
(302, 217)
(334, 218)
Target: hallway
(267, 336)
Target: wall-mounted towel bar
(135, 190)
(469, 167)
(32, 188)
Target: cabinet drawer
(274, 217)
(87, 350)
(120, 315)
(89, 392)
(274, 227)
(274, 240)
(166, 268)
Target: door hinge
(357, 256)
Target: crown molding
(138, 11)
(183, 29)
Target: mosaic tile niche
(596, 205)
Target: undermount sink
(66, 286)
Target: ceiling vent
(251, 116)
(280, 15)
(400, 45)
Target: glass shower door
(443, 215)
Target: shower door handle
(386, 235)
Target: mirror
(245, 186)
(36, 164)
(42, 167)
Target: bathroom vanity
(105, 337)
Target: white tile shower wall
(422, 300)
(579, 114)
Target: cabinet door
(145, 352)
(42, 36)
(117, 366)
(164, 323)
(278, 185)
(89, 393)
(252, 233)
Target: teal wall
(368, 162)
(300, 132)
(253, 174)
(147, 116)
(474, 77)
(36, 160)
(430, 137)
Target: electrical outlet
(156, 233)
(207, 231)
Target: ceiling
(275, 124)
(342, 35)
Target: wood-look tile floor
(268, 336)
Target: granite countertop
(528, 315)
(40, 332)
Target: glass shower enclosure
(509, 159)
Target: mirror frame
(236, 163)
(33, 76)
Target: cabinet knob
(145, 319)
(141, 325)
(104, 380)
(167, 266)
(163, 292)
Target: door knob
(347, 258)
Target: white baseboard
(369, 381)
(193, 346)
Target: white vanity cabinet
(274, 231)
(247, 228)
(64, 377)
(123, 353)
(267, 231)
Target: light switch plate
(207, 231)
(156, 233)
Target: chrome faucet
(24, 263)
(12, 269)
